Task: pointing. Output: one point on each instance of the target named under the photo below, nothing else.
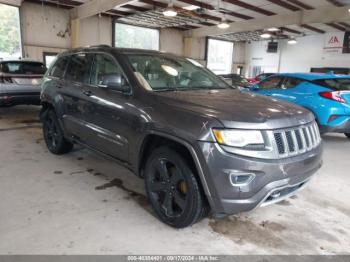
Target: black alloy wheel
(53, 135)
(173, 189)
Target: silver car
(20, 82)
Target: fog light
(241, 179)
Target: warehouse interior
(83, 203)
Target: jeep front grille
(298, 140)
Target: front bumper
(274, 180)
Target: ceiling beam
(197, 3)
(136, 8)
(95, 7)
(345, 24)
(301, 4)
(338, 27)
(289, 30)
(250, 7)
(335, 2)
(285, 5)
(180, 9)
(312, 28)
(68, 4)
(222, 10)
(323, 14)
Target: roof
(313, 76)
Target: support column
(194, 47)
(75, 29)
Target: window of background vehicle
(10, 32)
(103, 65)
(164, 73)
(129, 36)
(24, 68)
(291, 82)
(336, 84)
(57, 70)
(220, 56)
(78, 69)
(270, 83)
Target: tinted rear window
(335, 83)
(23, 68)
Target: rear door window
(271, 83)
(338, 84)
(290, 82)
(58, 69)
(78, 69)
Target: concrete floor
(80, 203)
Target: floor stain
(58, 172)
(80, 158)
(28, 121)
(19, 127)
(77, 172)
(273, 226)
(242, 231)
(37, 141)
(139, 198)
(101, 175)
(284, 203)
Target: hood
(238, 109)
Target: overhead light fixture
(292, 41)
(191, 7)
(170, 11)
(273, 29)
(223, 25)
(265, 35)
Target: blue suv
(326, 95)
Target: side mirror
(115, 82)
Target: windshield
(338, 84)
(163, 73)
(23, 68)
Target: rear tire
(173, 189)
(347, 135)
(53, 135)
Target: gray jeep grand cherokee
(200, 145)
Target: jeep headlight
(238, 138)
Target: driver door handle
(87, 92)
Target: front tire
(53, 135)
(347, 135)
(173, 189)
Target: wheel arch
(155, 139)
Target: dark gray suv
(200, 145)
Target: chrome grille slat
(298, 140)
